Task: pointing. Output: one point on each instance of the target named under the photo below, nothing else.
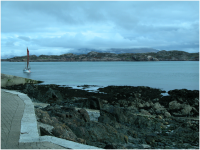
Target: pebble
(166, 123)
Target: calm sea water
(166, 75)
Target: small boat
(27, 68)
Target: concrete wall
(9, 80)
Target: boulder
(98, 132)
(167, 114)
(53, 96)
(145, 146)
(43, 116)
(114, 146)
(76, 121)
(111, 146)
(84, 114)
(157, 106)
(144, 112)
(63, 133)
(165, 100)
(150, 139)
(114, 113)
(54, 122)
(93, 103)
(174, 105)
(132, 133)
(29, 89)
(148, 104)
(71, 112)
(104, 119)
(82, 141)
(140, 105)
(105, 133)
(44, 131)
(134, 140)
(159, 109)
(186, 109)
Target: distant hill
(116, 50)
(132, 50)
(163, 55)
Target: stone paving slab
(19, 126)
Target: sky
(58, 27)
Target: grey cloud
(9, 43)
(95, 24)
(25, 38)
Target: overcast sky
(52, 27)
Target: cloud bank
(57, 27)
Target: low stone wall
(9, 80)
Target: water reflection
(27, 75)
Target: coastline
(163, 55)
(92, 60)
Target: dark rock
(104, 119)
(165, 101)
(104, 133)
(82, 141)
(84, 114)
(186, 109)
(71, 112)
(144, 112)
(159, 109)
(125, 120)
(167, 114)
(80, 132)
(43, 132)
(174, 105)
(114, 146)
(54, 121)
(97, 144)
(43, 116)
(150, 139)
(132, 133)
(92, 103)
(114, 113)
(61, 132)
(134, 140)
(110, 146)
(189, 97)
(53, 96)
(77, 121)
(145, 146)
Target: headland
(99, 56)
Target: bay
(166, 75)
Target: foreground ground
(130, 117)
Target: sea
(165, 75)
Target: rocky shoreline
(118, 117)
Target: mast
(27, 57)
